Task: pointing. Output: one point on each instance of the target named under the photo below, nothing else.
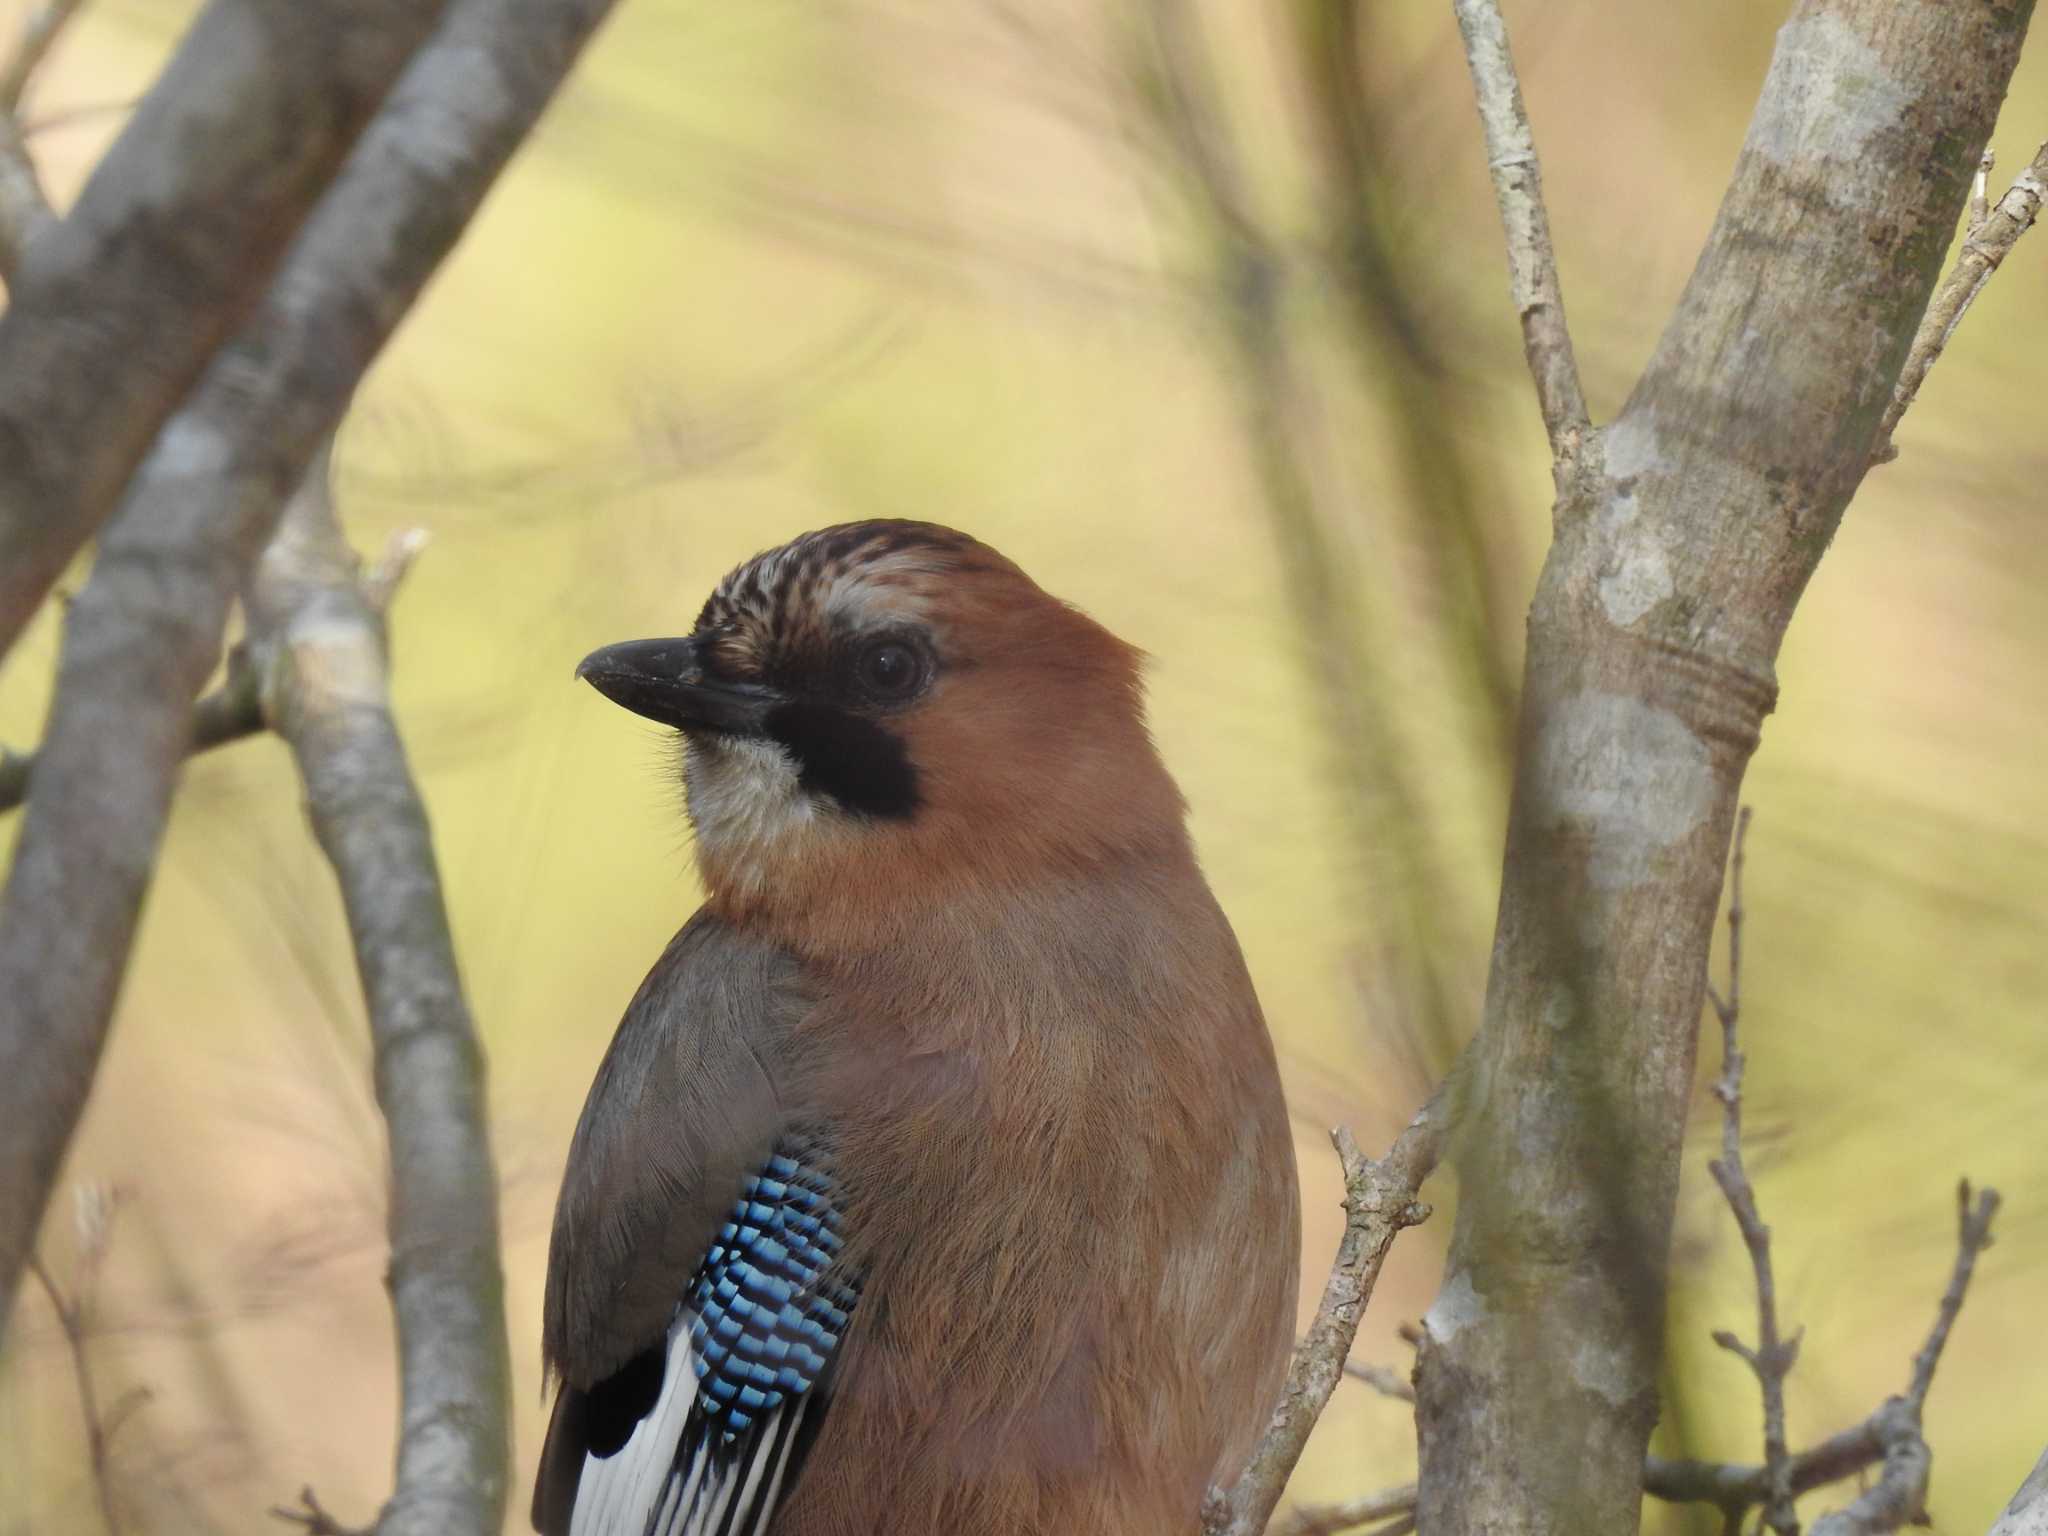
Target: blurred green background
(776, 265)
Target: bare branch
(24, 206)
(96, 1207)
(1328, 1519)
(320, 643)
(1973, 1236)
(1383, 1381)
(39, 31)
(118, 307)
(1988, 241)
(232, 712)
(1899, 1496)
(143, 635)
(1773, 1356)
(1532, 261)
(1734, 1487)
(1379, 1203)
(312, 1517)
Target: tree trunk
(1685, 533)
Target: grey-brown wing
(685, 1109)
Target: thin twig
(1326, 1519)
(1532, 260)
(312, 1517)
(1899, 1497)
(1379, 1203)
(1382, 1380)
(24, 205)
(96, 1207)
(1892, 1433)
(1988, 241)
(1733, 1487)
(1973, 1236)
(1773, 1356)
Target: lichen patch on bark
(1635, 775)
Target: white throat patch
(745, 803)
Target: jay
(938, 1180)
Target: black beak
(664, 680)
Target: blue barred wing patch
(767, 1305)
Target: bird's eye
(889, 669)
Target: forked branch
(1988, 239)
(1379, 1204)
(319, 639)
(24, 206)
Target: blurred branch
(1987, 241)
(1289, 441)
(312, 1517)
(232, 712)
(1379, 1204)
(319, 638)
(24, 206)
(1773, 1357)
(96, 1207)
(1328, 1519)
(141, 638)
(1532, 261)
(1401, 362)
(1381, 1380)
(119, 306)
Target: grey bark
(2027, 1514)
(321, 650)
(144, 632)
(1684, 538)
(114, 309)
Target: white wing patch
(677, 1475)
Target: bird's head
(891, 712)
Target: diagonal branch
(1899, 1496)
(119, 306)
(1988, 240)
(1379, 1203)
(143, 634)
(1532, 260)
(320, 644)
(24, 206)
(96, 1207)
